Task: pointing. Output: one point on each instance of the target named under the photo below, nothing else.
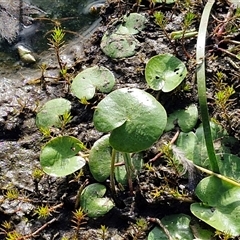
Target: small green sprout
(149, 167)
(12, 194)
(46, 132)
(43, 211)
(14, 235)
(78, 219)
(56, 41)
(189, 19)
(142, 224)
(139, 229)
(171, 160)
(37, 174)
(57, 37)
(160, 19)
(6, 227)
(104, 230)
(156, 193)
(65, 119)
(222, 98)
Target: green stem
(112, 181)
(201, 82)
(129, 170)
(218, 175)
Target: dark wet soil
(21, 141)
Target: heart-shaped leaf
(165, 72)
(135, 118)
(132, 24)
(86, 82)
(93, 202)
(119, 45)
(220, 205)
(186, 118)
(59, 156)
(177, 225)
(50, 113)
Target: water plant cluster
(132, 120)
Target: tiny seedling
(56, 42)
(103, 233)
(78, 219)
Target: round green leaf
(59, 156)
(93, 202)
(132, 24)
(221, 205)
(84, 84)
(119, 45)
(177, 225)
(135, 118)
(100, 159)
(186, 118)
(165, 72)
(50, 113)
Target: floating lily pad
(165, 72)
(93, 202)
(59, 157)
(220, 205)
(177, 225)
(119, 45)
(91, 79)
(132, 24)
(135, 119)
(50, 113)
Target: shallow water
(72, 16)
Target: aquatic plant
(121, 42)
(60, 156)
(165, 72)
(130, 130)
(93, 202)
(91, 79)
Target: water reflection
(72, 16)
